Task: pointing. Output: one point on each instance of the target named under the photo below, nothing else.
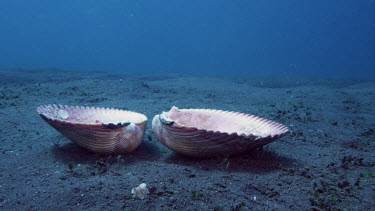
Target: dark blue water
(320, 37)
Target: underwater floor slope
(326, 161)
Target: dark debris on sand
(325, 162)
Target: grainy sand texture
(325, 162)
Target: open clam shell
(205, 132)
(102, 130)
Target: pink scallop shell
(205, 132)
(102, 130)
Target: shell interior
(89, 115)
(224, 122)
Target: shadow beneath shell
(73, 153)
(257, 161)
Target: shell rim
(172, 123)
(144, 117)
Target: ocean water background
(212, 37)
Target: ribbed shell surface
(101, 130)
(205, 132)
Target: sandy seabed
(325, 162)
